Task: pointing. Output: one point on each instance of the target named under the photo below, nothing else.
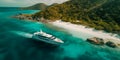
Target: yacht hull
(49, 41)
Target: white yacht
(42, 36)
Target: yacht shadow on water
(43, 45)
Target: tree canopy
(99, 14)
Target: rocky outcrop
(111, 44)
(100, 41)
(95, 40)
(21, 16)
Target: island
(38, 6)
(98, 14)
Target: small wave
(24, 34)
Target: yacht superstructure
(42, 36)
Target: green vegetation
(99, 14)
(39, 6)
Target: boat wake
(23, 34)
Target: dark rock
(111, 44)
(96, 40)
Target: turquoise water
(16, 42)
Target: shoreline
(28, 17)
(86, 32)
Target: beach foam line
(84, 33)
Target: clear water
(16, 42)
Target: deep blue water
(16, 44)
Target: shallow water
(16, 42)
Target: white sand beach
(81, 31)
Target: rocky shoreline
(29, 17)
(100, 41)
(95, 37)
